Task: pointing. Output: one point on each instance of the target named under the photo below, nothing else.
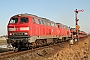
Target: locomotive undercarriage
(19, 43)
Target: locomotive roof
(58, 23)
(72, 28)
(26, 14)
(62, 24)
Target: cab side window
(33, 20)
(38, 21)
(42, 22)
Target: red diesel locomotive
(28, 31)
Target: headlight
(26, 33)
(10, 33)
(24, 28)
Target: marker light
(19, 15)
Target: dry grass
(3, 41)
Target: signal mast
(76, 18)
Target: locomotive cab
(18, 26)
(18, 30)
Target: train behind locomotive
(29, 31)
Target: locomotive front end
(18, 31)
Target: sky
(56, 10)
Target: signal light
(76, 11)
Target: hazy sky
(56, 10)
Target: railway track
(13, 54)
(4, 53)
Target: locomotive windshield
(14, 20)
(23, 20)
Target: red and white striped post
(76, 18)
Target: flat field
(3, 42)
